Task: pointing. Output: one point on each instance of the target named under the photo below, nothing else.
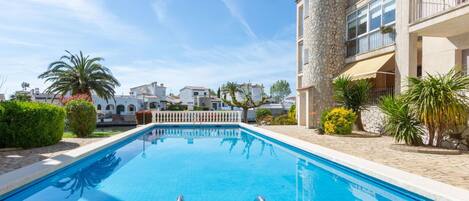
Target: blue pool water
(203, 164)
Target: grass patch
(96, 134)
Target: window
(351, 48)
(300, 22)
(363, 27)
(362, 21)
(419, 71)
(305, 56)
(375, 15)
(389, 11)
(98, 107)
(196, 93)
(300, 58)
(306, 9)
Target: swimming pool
(206, 163)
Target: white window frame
(368, 32)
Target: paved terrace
(450, 169)
(11, 160)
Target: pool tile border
(426, 187)
(432, 189)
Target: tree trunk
(245, 115)
(431, 136)
(358, 121)
(439, 138)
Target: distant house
(289, 102)
(256, 91)
(2, 97)
(153, 95)
(120, 105)
(38, 96)
(192, 96)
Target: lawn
(95, 134)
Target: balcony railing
(196, 116)
(422, 9)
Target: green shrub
(81, 117)
(400, 122)
(30, 124)
(262, 113)
(322, 120)
(292, 112)
(283, 120)
(148, 117)
(339, 121)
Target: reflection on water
(89, 177)
(209, 163)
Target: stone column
(324, 37)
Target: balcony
(439, 18)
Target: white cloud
(260, 62)
(234, 11)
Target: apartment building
(383, 41)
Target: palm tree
(352, 95)
(233, 89)
(440, 102)
(80, 75)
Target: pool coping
(423, 186)
(11, 181)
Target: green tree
(233, 89)
(80, 74)
(280, 90)
(352, 95)
(21, 96)
(219, 92)
(439, 101)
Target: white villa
(195, 96)
(256, 91)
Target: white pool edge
(420, 185)
(414, 183)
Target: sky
(175, 42)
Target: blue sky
(176, 42)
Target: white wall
(126, 101)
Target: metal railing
(196, 116)
(376, 94)
(421, 9)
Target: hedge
(339, 121)
(30, 124)
(81, 117)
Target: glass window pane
(389, 11)
(362, 25)
(363, 44)
(375, 18)
(306, 9)
(352, 29)
(351, 16)
(351, 47)
(376, 40)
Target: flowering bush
(339, 121)
(81, 117)
(85, 97)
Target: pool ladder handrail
(180, 198)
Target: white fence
(196, 116)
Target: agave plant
(78, 74)
(440, 102)
(400, 121)
(352, 95)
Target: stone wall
(373, 119)
(324, 32)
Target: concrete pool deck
(449, 169)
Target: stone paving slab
(450, 169)
(15, 159)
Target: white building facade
(192, 96)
